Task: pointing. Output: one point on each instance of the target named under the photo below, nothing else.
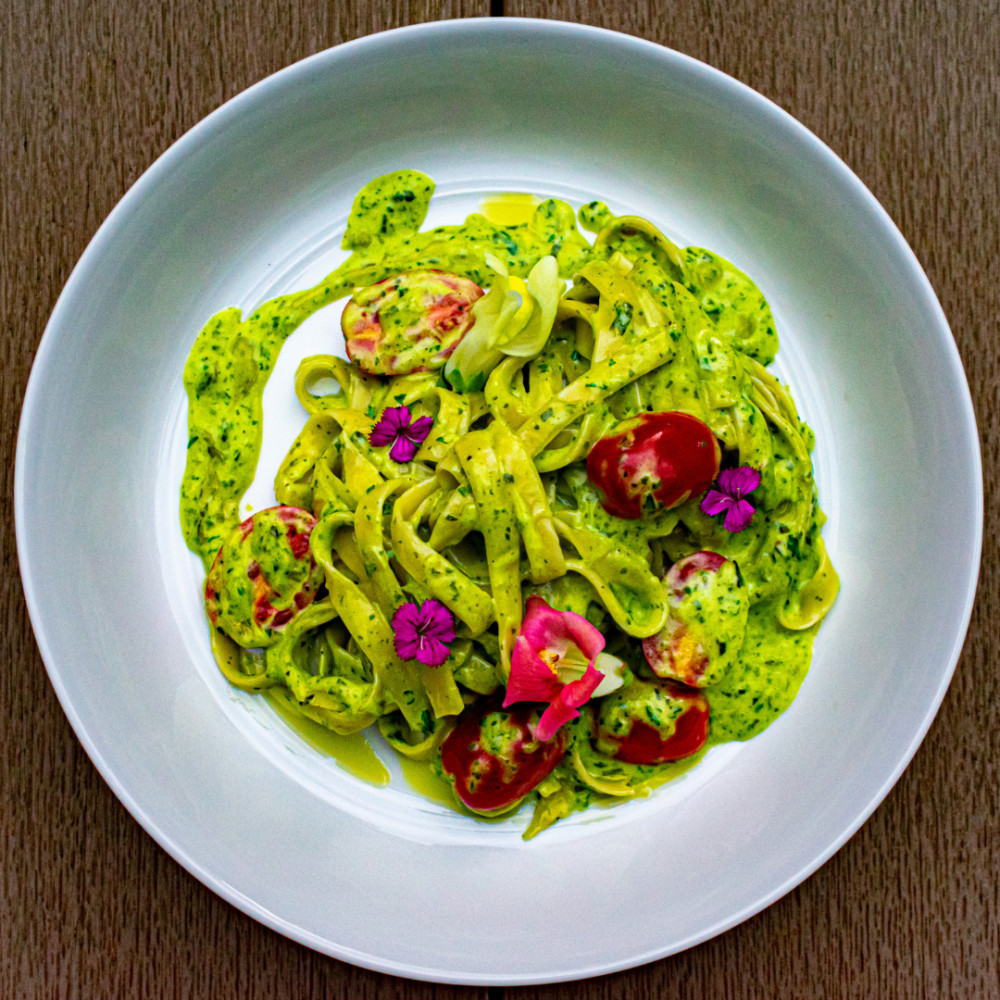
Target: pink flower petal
(578, 693)
(558, 636)
(545, 628)
(419, 429)
(394, 428)
(565, 706)
(715, 502)
(393, 420)
(737, 483)
(557, 714)
(406, 634)
(734, 485)
(402, 450)
(587, 637)
(432, 652)
(438, 621)
(739, 516)
(422, 632)
(531, 678)
(381, 436)
(539, 624)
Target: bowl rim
(202, 132)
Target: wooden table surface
(905, 91)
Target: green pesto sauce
(641, 700)
(721, 325)
(499, 735)
(763, 682)
(353, 753)
(572, 592)
(224, 379)
(714, 609)
(283, 575)
(233, 356)
(608, 779)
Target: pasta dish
(550, 528)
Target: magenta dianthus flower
(422, 632)
(397, 427)
(730, 497)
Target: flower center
(568, 665)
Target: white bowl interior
(252, 203)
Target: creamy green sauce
(712, 612)
(772, 665)
(721, 326)
(352, 752)
(233, 357)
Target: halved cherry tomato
(410, 322)
(652, 723)
(263, 575)
(707, 621)
(665, 458)
(492, 758)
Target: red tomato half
(411, 322)
(641, 703)
(263, 576)
(492, 758)
(684, 649)
(668, 457)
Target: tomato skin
(644, 743)
(493, 783)
(704, 561)
(409, 322)
(262, 576)
(668, 457)
(702, 586)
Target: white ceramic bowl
(251, 203)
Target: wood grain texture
(90, 95)
(906, 92)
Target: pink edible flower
(422, 632)
(554, 661)
(733, 486)
(397, 427)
